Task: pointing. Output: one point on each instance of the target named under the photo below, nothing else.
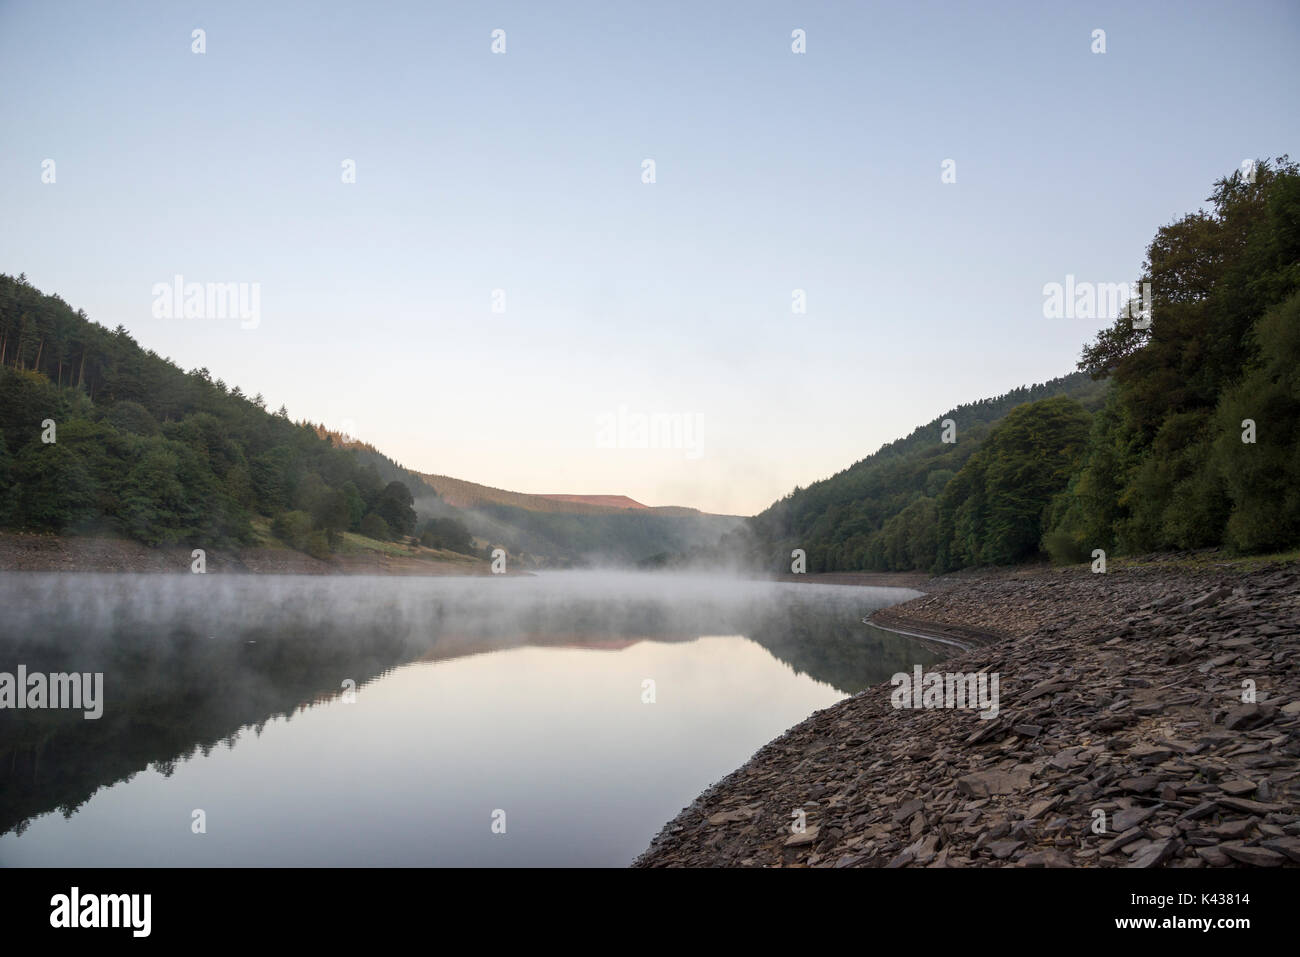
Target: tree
(1262, 477)
(54, 488)
(992, 512)
(373, 526)
(396, 507)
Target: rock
(988, 783)
(1213, 856)
(1005, 848)
(902, 860)
(1248, 716)
(907, 809)
(1143, 785)
(1108, 706)
(1250, 807)
(1046, 688)
(1237, 787)
(1209, 599)
(1065, 760)
(1038, 808)
(1288, 846)
(1234, 829)
(730, 817)
(807, 836)
(1124, 839)
(1150, 753)
(1254, 856)
(985, 731)
(1200, 811)
(1131, 817)
(1050, 857)
(1154, 854)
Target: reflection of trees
(173, 690)
(163, 708)
(835, 648)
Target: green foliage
(395, 506)
(1262, 479)
(355, 504)
(128, 416)
(881, 514)
(447, 533)
(6, 481)
(54, 489)
(374, 526)
(1166, 467)
(153, 496)
(992, 511)
(1162, 464)
(292, 528)
(147, 450)
(1087, 514)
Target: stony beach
(1126, 735)
(27, 552)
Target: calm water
(229, 694)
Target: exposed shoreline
(28, 552)
(1120, 695)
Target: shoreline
(1120, 707)
(32, 552)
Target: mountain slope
(101, 436)
(554, 530)
(841, 521)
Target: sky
(501, 296)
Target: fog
(191, 660)
(81, 610)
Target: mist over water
(383, 721)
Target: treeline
(1182, 435)
(98, 435)
(883, 513)
(1199, 444)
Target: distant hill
(465, 494)
(574, 530)
(558, 530)
(609, 501)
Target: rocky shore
(22, 551)
(1126, 736)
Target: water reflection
(517, 690)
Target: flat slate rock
(1119, 705)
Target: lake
(560, 719)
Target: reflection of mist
(191, 659)
(86, 610)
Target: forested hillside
(1183, 435)
(98, 435)
(882, 513)
(101, 436)
(1199, 444)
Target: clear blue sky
(522, 171)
